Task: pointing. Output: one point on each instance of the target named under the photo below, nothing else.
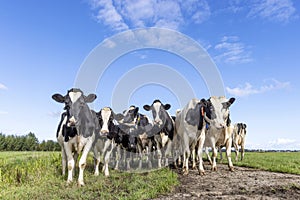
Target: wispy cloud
(273, 10)
(122, 15)
(3, 87)
(277, 144)
(54, 114)
(231, 50)
(248, 89)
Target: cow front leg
(228, 154)
(106, 159)
(82, 161)
(214, 156)
(96, 161)
(63, 161)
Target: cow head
(158, 111)
(217, 111)
(128, 116)
(105, 117)
(75, 103)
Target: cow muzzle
(72, 121)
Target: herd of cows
(201, 124)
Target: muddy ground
(243, 183)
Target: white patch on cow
(221, 113)
(105, 114)
(156, 107)
(74, 96)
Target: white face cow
(217, 111)
(81, 116)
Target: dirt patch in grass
(243, 183)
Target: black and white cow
(219, 132)
(190, 129)
(80, 118)
(238, 139)
(138, 126)
(162, 130)
(105, 139)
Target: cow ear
(203, 102)
(231, 100)
(167, 106)
(147, 107)
(90, 98)
(136, 110)
(59, 98)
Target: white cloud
(3, 87)
(125, 14)
(232, 51)
(247, 89)
(277, 144)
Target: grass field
(286, 162)
(37, 175)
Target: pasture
(37, 175)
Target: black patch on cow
(63, 115)
(194, 117)
(69, 132)
(210, 110)
(228, 121)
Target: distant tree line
(27, 142)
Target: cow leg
(242, 151)
(200, 151)
(208, 156)
(140, 152)
(96, 161)
(221, 153)
(128, 158)
(70, 159)
(228, 154)
(118, 157)
(236, 147)
(107, 157)
(82, 161)
(214, 155)
(63, 160)
(168, 152)
(193, 158)
(107, 143)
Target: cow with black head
(162, 130)
(78, 129)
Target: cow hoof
(185, 172)
(214, 169)
(201, 172)
(194, 167)
(80, 184)
(231, 169)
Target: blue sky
(254, 44)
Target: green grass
(285, 162)
(37, 175)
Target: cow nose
(72, 121)
(104, 132)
